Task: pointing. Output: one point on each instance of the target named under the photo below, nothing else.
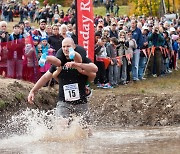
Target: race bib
(71, 92)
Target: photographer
(156, 39)
(3, 54)
(3, 32)
(113, 66)
(122, 52)
(143, 53)
(100, 54)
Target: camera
(1, 32)
(156, 30)
(122, 40)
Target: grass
(2, 104)
(19, 96)
(167, 84)
(101, 10)
(97, 10)
(16, 20)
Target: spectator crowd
(126, 48)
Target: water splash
(39, 132)
(32, 126)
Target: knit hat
(35, 38)
(44, 38)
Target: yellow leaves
(144, 7)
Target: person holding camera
(143, 54)
(156, 39)
(112, 53)
(122, 52)
(100, 54)
(129, 53)
(4, 36)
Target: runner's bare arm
(57, 62)
(77, 59)
(89, 67)
(91, 75)
(54, 60)
(41, 82)
(56, 73)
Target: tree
(154, 7)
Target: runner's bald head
(66, 44)
(69, 40)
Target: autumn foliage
(152, 7)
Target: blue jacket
(137, 35)
(145, 39)
(45, 49)
(113, 34)
(175, 46)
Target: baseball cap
(150, 25)
(145, 27)
(106, 29)
(42, 20)
(172, 29)
(113, 23)
(121, 22)
(107, 14)
(26, 21)
(100, 20)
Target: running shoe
(107, 86)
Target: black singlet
(70, 77)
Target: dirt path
(108, 107)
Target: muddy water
(37, 138)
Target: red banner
(85, 26)
(18, 60)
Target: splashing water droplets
(39, 126)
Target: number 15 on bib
(71, 92)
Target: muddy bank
(106, 107)
(136, 110)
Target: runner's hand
(80, 70)
(3, 35)
(31, 98)
(70, 64)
